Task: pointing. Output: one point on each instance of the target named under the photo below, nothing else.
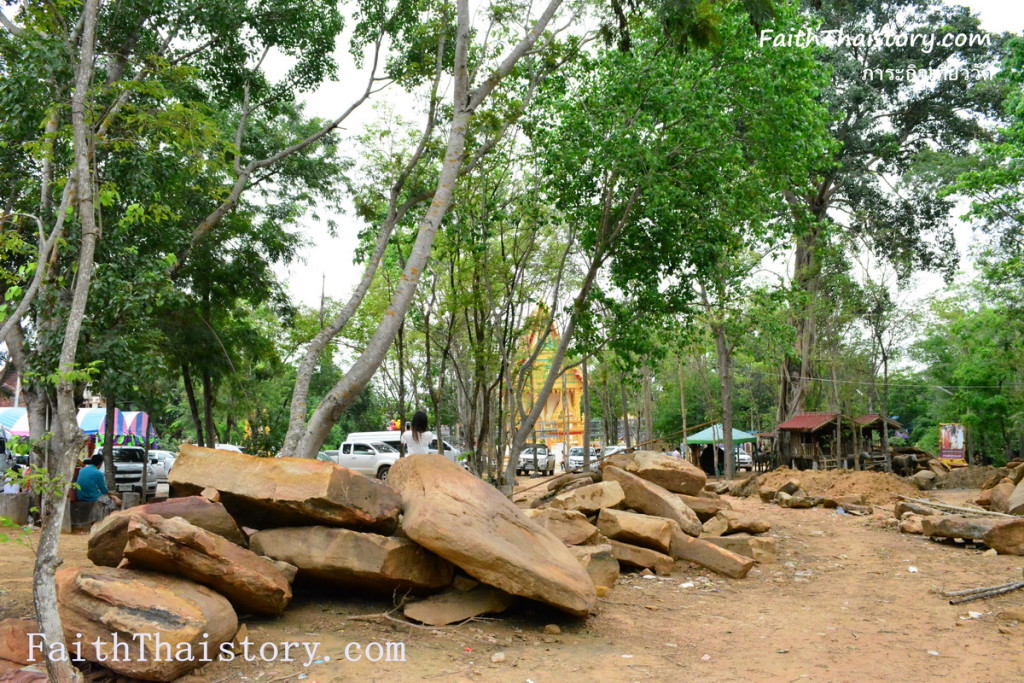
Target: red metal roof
(808, 422)
(869, 418)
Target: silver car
(162, 462)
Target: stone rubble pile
(648, 511)
(1002, 530)
(179, 573)
(790, 495)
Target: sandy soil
(850, 599)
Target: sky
(325, 264)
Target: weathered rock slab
(454, 605)
(14, 641)
(999, 496)
(924, 480)
(472, 525)
(706, 554)
(589, 498)
(1015, 504)
(173, 546)
(763, 549)
(705, 508)
(644, 558)
(647, 497)
(642, 530)
(278, 492)
(355, 559)
(174, 619)
(571, 526)
(1006, 539)
(672, 474)
(599, 562)
(108, 537)
(959, 526)
(912, 524)
(732, 522)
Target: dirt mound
(878, 488)
(970, 477)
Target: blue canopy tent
(10, 416)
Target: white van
(371, 457)
(394, 439)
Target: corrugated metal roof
(868, 418)
(808, 422)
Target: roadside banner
(952, 438)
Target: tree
(881, 125)
(631, 165)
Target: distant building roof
(871, 418)
(807, 422)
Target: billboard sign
(952, 443)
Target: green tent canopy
(715, 434)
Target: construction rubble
(181, 575)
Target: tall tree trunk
(725, 375)
(648, 404)
(108, 442)
(797, 368)
(193, 406)
(682, 406)
(625, 409)
(586, 419)
(69, 438)
(885, 411)
(208, 399)
(400, 348)
(465, 103)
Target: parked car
(371, 457)
(576, 458)
(744, 461)
(394, 438)
(162, 462)
(544, 461)
(228, 447)
(128, 464)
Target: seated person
(92, 486)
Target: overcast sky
(328, 260)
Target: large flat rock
(468, 522)
(589, 498)
(454, 605)
(642, 530)
(14, 641)
(266, 493)
(355, 559)
(701, 552)
(109, 536)
(673, 474)
(173, 618)
(706, 508)
(1007, 539)
(571, 526)
(599, 562)
(173, 546)
(647, 497)
(960, 526)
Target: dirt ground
(850, 599)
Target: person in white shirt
(417, 440)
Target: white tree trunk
(69, 438)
